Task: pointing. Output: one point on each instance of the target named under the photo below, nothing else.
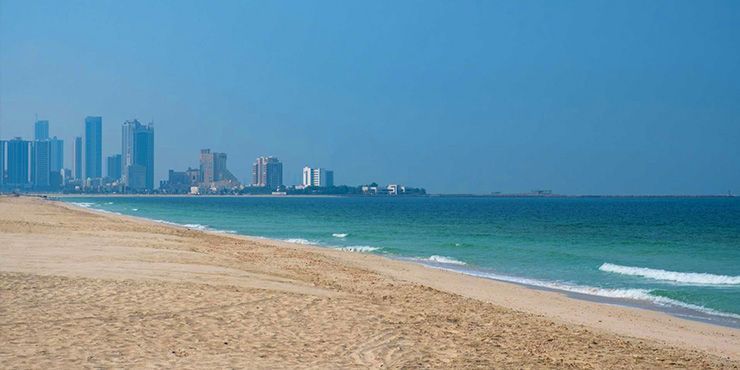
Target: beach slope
(84, 289)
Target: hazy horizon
(466, 97)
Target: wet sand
(83, 289)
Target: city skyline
(100, 160)
(38, 165)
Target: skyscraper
(77, 165)
(93, 157)
(127, 147)
(114, 167)
(40, 163)
(137, 155)
(206, 166)
(56, 154)
(2, 163)
(41, 130)
(267, 172)
(18, 162)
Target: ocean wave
(445, 260)
(84, 204)
(134, 209)
(359, 248)
(633, 294)
(300, 241)
(196, 226)
(339, 235)
(678, 277)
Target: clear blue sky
(590, 97)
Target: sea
(678, 255)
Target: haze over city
(602, 98)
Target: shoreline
(574, 296)
(430, 195)
(678, 310)
(406, 291)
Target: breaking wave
(677, 277)
(634, 294)
(446, 260)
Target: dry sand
(84, 289)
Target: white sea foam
(196, 226)
(108, 203)
(109, 212)
(300, 241)
(339, 235)
(83, 204)
(359, 248)
(677, 277)
(634, 294)
(134, 209)
(446, 260)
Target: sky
(580, 97)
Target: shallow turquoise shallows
(681, 255)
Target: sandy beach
(80, 288)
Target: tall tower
(144, 154)
(206, 166)
(77, 165)
(127, 147)
(93, 157)
(18, 162)
(2, 163)
(41, 163)
(56, 154)
(137, 155)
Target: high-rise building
(41, 130)
(113, 167)
(143, 158)
(77, 165)
(2, 163)
(206, 166)
(18, 162)
(137, 155)
(93, 157)
(56, 147)
(127, 147)
(318, 177)
(213, 168)
(40, 163)
(267, 172)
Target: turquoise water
(676, 254)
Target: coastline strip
(326, 308)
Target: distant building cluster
(38, 166)
(211, 177)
